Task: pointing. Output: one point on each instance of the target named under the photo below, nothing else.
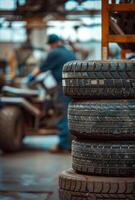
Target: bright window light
(7, 4)
(5, 24)
(85, 5)
(2, 19)
(117, 1)
(71, 5)
(13, 35)
(84, 34)
(54, 23)
(91, 5)
(69, 34)
(22, 2)
(89, 33)
(5, 34)
(84, 29)
(87, 20)
(65, 33)
(63, 23)
(91, 21)
(96, 33)
(18, 24)
(19, 35)
(55, 30)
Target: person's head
(54, 40)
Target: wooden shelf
(121, 38)
(106, 36)
(122, 7)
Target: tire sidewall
(11, 125)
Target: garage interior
(95, 30)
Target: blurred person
(56, 58)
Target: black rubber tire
(99, 79)
(102, 119)
(104, 158)
(11, 128)
(73, 186)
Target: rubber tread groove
(93, 188)
(94, 82)
(104, 158)
(106, 119)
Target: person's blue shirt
(55, 60)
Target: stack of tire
(102, 121)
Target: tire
(109, 159)
(73, 186)
(104, 119)
(11, 126)
(99, 79)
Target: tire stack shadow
(102, 121)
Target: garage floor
(32, 174)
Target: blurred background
(25, 24)
(27, 169)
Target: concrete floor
(32, 174)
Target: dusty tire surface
(104, 158)
(102, 119)
(73, 186)
(99, 79)
(11, 128)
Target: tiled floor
(32, 174)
